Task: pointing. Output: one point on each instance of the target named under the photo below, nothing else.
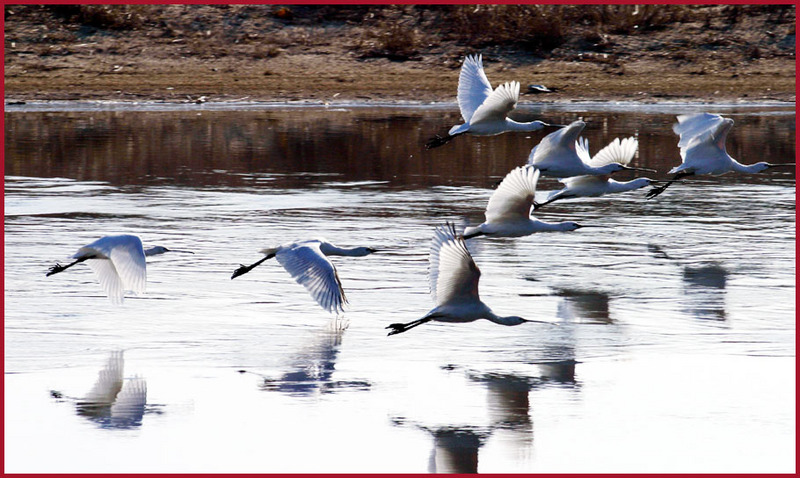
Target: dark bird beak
(640, 169)
(182, 252)
(539, 322)
(780, 164)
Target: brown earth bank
(324, 53)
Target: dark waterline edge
(103, 105)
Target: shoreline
(175, 105)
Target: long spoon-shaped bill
(647, 170)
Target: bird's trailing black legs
(537, 205)
(59, 268)
(660, 189)
(243, 269)
(398, 328)
(440, 140)
(473, 234)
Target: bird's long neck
(512, 125)
(607, 169)
(618, 187)
(753, 168)
(541, 226)
(154, 251)
(510, 320)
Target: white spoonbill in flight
(702, 144)
(453, 278)
(308, 264)
(484, 110)
(556, 156)
(509, 207)
(617, 151)
(118, 262)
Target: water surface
(673, 348)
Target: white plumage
(118, 263)
(483, 109)
(508, 210)
(453, 278)
(308, 264)
(702, 147)
(618, 151)
(559, 155)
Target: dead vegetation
(273, 40)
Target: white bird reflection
(113, 401)
(704, 286)
(456, 446)
(311, 369)
(585, 306)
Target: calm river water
(674, 349)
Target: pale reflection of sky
(671, 348)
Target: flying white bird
(620, 152)
(453, 278)
(702, 144)
(556, 156)
(484, 110)
(509, 207)
(118, 262)
(308, 264)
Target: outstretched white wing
(119, 264)
(499, 103)
(707, 141)
(109, 279)
(314, 271)
(690, 126)
(513, 198)
(473, 86)
(617, 151)
(558, 147)
(582, 149)
(451, 271)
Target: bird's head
(154, 251)
(514, 320)
(364, 251)
(570, 226)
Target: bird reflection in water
(704, 290)
(703, 286)
(456, 447)
(584, 306)
(113, 401)
(455, 450)
(311, 370)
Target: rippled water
(674, 343)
